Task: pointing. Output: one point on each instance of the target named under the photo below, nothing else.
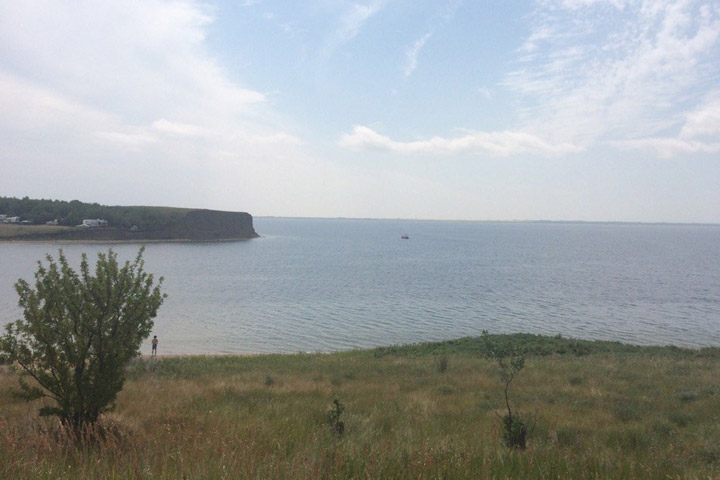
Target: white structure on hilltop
(94, 223)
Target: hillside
(124, 223)
(427, 411)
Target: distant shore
(193, 226)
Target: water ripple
(319, 285)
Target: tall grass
(640, 413)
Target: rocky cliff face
(209, 225)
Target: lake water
(326, 284)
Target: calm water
(318, 285)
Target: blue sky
(444, 109)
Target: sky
(594, 110)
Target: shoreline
(532, 344)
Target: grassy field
(15, 231)
(599, 410)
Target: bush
(442, 364)
(688, 396)
(515, 432)
(79, 332)
(333, 416)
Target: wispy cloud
(615, 70)
(355, 18)
(625, 73)
(485, 93)
(350, 23)
(413, 52)
(445, 15)
(502, 143)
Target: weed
(515, 431)
(680, 419)
(445, 390)
(625, 410)
(568, 437)
(442, 364)
(688, 396)
(709, 454)
(662, 428)
(333, 416)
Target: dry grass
(596, 416)
(19, 231)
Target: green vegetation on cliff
(72, 213)
(598, 410)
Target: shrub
(442, 364)
(688, 396)
(626, 410)
(333, 416)
(79, 332)
(514, 431)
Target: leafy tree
(79, 331)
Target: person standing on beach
(154, 346)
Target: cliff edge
(209, 225)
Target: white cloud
(699, 134)
(132, 140)
(705, 121)
(119, 98)
(594, 71)
(24, 106)
(412, 54)
(175, 128)
(491, 143)
(668, 147)
(135, 60)
(577, 4)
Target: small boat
(405, 237)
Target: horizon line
(601, 222)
